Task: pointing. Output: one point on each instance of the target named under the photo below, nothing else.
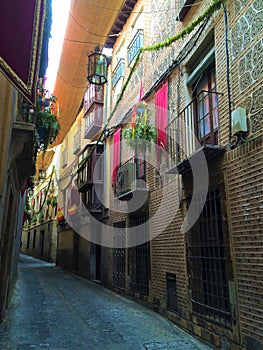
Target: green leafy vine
(140, 133)
(207, 13)
(45, 119)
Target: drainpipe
(228, 80)
(105, 144)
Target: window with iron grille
(171, 290)
(135, 45)
(139, 256)
(207, 264)
(76, 142)
(28, 240)
(206, 107)
(119, 256)
(118, 72)
(34, 239)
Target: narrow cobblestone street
(53, 309)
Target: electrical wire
(117, 10)
(228, 79)
(81, 41)
(85, 29)
(203, 17)
(69, 84)
(197, 3)
(175, 63)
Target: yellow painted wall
(6, 94)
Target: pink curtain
(116, 153)
(141, 171)
(161, 115)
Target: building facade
(180, 222)
(18, 86)
(194, 260)
(39, 237)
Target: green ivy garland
(208, 12)
(140, 134)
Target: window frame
(207, 263)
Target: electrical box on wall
(239, 120)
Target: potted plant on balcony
(27, 211)
(140, 134)
(41, 217)
(45, 119)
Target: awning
(89, 24)
(21, 28)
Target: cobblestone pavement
(55, 310)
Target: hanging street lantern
(97, 67)
(41, 174)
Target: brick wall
(245, 190)
(244, 167)
(238, 172)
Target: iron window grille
(119, 256)
(191, 125)
(118, 72)
(127, 174)
(28, 240)
(91, 199)
(76, 142)
(139, 256)
(171, 290)
(34, 239)
(135, 45)
(207, 264)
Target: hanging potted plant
(45, 119)
(27, 211)
(34, 217)
(41, 216)
(140, 133)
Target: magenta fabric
(161, 118)
(116, 153)
(140, 92)
(21, 27)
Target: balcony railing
(86, 173)
(93, 94)
(93, 122)
(93, 198)
(130, 177)
(194, 128)
(183, 7)
(76, 142)
(118, 72)
(135, 45)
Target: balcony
(93, 95)
(135, 45)
(92, 200)
(130, 179)
(194, 130)
(184, 7)
(93, 121)
(76, 142)
(86, 172)
(23, 145)
(118, 72)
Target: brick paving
(55, 310)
